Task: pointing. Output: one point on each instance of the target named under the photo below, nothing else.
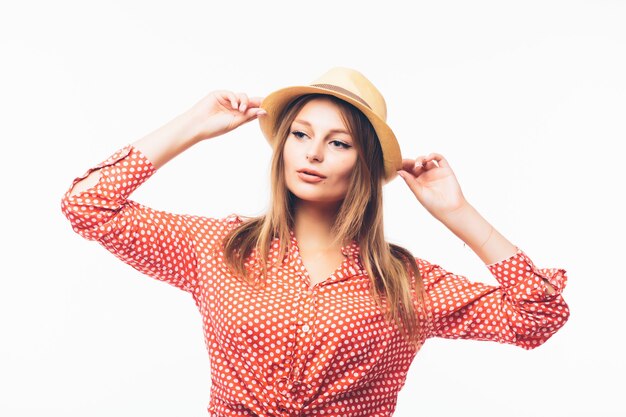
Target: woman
(307, 310)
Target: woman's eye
(339, 144)
(298, 134)
(334, 143)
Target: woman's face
(319, 153)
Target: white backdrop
(526, 100)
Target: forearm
(472, 228)
(168, 141)
(159, 147)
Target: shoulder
(214, 228)
(426, 267)
(432, 273)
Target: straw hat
(348, 85)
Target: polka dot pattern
(519, 311)
(288, 348)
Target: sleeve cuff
(122, 173)
(524, 280)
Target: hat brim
(275, 102)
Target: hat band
(342, 91)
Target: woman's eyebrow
(304, 122)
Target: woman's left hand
(434, 184)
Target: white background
(527, 100)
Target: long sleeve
(159, 244)
(518, 311)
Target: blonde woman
(307, 310)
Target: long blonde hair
(360, 217)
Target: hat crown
(354, 84)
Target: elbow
(86, 218)
(540, 327)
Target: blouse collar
(351, 265)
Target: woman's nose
(312, 156)
(315, 151)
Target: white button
(306, 328)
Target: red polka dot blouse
(291, 349)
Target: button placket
(305, 331)
(306, 316)
(292, 348)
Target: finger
(255, 101)
(254, 112)
(414, 166)
(410, 164)
(225, 98)
(231, 97)
(407, 163)
(409, 179)
(243, 102)
(438, 158)
(430, 165)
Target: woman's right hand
(222, 111)
(215, 114)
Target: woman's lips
(310, 178)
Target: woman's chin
(317, 199)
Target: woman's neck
(313, 224)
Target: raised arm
(525, 309)
(520, 310)
(160, 244)
(215, 114)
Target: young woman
(307, 310)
